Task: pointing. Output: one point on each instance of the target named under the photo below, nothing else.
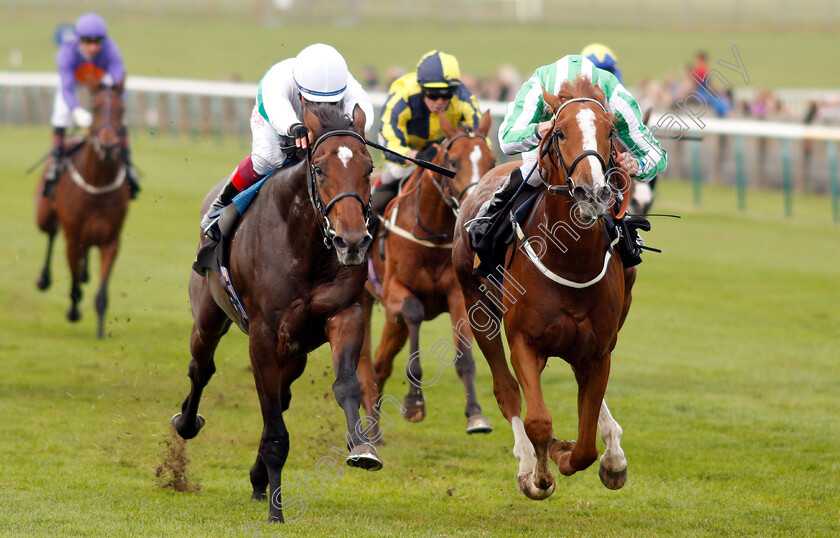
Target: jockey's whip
(419, 162)
(43, 158)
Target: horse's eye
(318, 170)
(453, 163)
(560, 134)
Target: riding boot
(210, 221)
(498, 205)
(380, 197)
(131, 173)
(54, 168)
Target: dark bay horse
(296, 262)
(567, 301)
(90, 202)
(418, 282)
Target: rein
(322, 210)
(452, 200)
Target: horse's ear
(551, 100)
(599, 94)
(359, 119)
(446, 126)
(484, 123)
(311, 121)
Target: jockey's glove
(82, 117)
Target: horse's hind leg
(210, 325)
(613, 468)
(465, 364)
(45, 279)
(47, 222)
(108, 254)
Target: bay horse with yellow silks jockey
(89, 201)
(565, 293)
(417, 280)
(296, 269)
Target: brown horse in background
(90, 202)
(568, 301)
(296, 262)
(418, 283)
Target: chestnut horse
(569, 301)
(418, 282)
(90, 203)
(296, 262)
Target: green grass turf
(724, 381)
(208, 45)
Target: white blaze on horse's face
(345, 154)
(475, 157)
(586, 122)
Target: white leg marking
(475, 156)
(642, 194)
(586, 122)
(613, 457)
(345, 154)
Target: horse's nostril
(339, 243)
(365, 243)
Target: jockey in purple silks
(89, 57)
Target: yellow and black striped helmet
(438, 69)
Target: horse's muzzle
(351, 250)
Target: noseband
(323, 210)
(94, 135)
(444, 184)
(552, 142)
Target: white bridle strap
(578, 99)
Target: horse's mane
(331, 116)
(581, 87)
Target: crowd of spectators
(658, 95)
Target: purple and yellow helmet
(603, 58)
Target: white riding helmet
(320, 73)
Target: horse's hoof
(259, 496)
(557, 448)
(612, 479)
(478, 424)
(43, 282)
(364, 456)
(415, 409)
(74, 315)
(187, 433)
(532, 491)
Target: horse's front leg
(107, 254)
(368, 380)
(464, 362)
(535, 478)
(592, 383)
(345, 332)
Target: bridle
(101, 150)
(550, 146)
(443, 184)
(322, 210)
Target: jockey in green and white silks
(518, 132)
